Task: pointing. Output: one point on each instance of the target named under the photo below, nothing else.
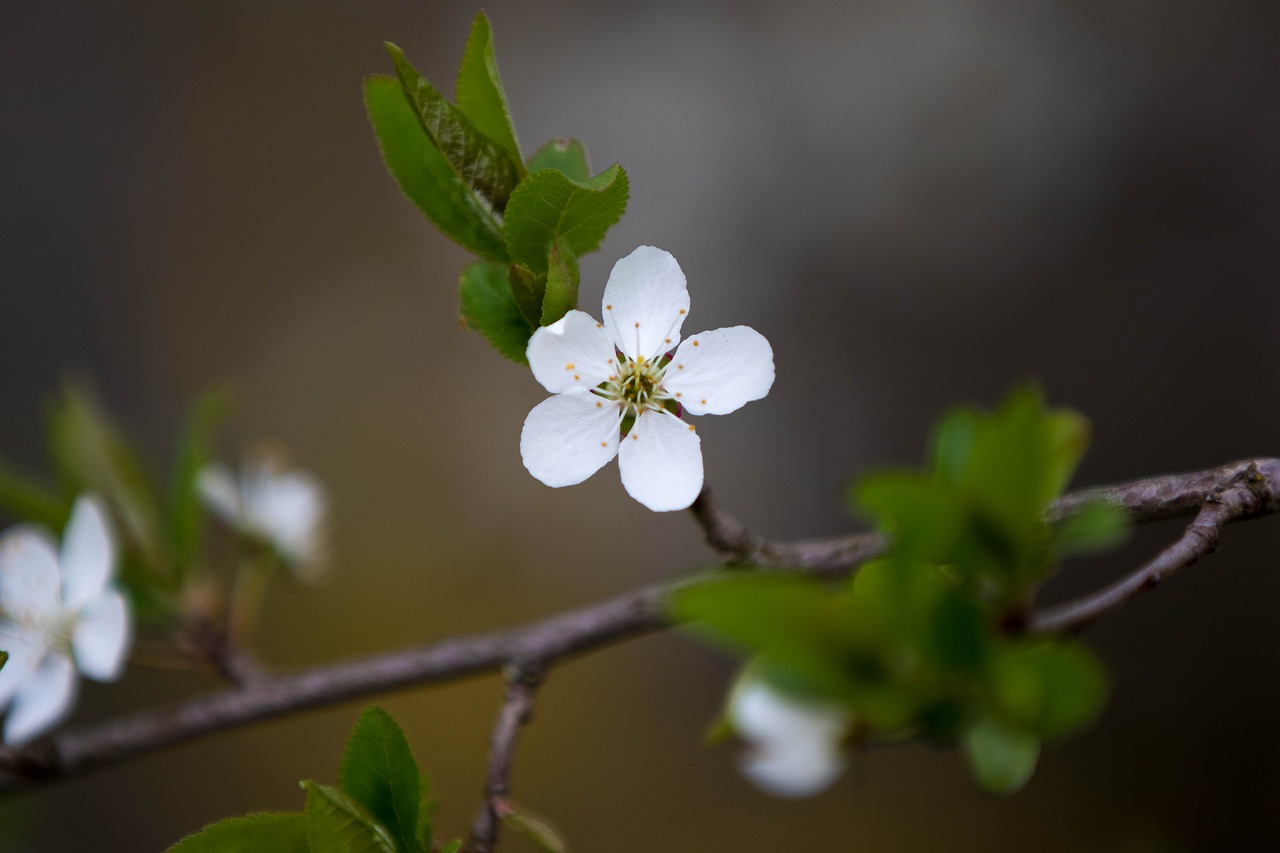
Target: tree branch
(1249, 493)
(538, 646)
(515, 713)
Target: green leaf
(278, 833)
(425, 176)
(89, 453)
(562, 283)
(488, 306)
(548, 205)
(379, 773)
(28, 500)
(534, 829)
(565, 155)
(338, 824)
(1049, 689)
(1001, 758)
(452, 847)
(529, 289)
(1095, 527)
(426, 813)
(484, 167)
(185, 514)
(479, 92)
(923, 517)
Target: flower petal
(661, 462)
(795, 743)
(289, 510)
(29, 575)
(218, 488)
(42, 701)
(88, 554)
(25, 651)
(573, 352)
(714, 373)
(569, 437)
(645, 302)
(101, 637)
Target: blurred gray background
(918, 203)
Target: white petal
(645, 302)
(661, 462)
(25, 652)
(713, 373)
(101, 637)
(217, 486)
(573, 352)
(42, 701)
(289, 510)
(795, 743)
(29, 575)
(569, 437)
(88, 554)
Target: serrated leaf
(488, 306)
(338, 824)
(1049, 689)
(547, 206)
(479, 92)
(278, 833)
(484, 166)
(379, 773)
(565, 155)
(26, 499)
(184, 513)
(90, 454)
(1002, 759)
(534, 829)
(561, 294)
(425, 176)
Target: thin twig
(1247, 494)
(515, 713)
(266, 696)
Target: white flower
(285, 509)
(59, 612)
(794, 743)
(633, 369)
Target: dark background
(918, 203)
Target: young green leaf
(488, 306)
(534, 829)
(562, 282)
(184, 511)
(565, 155)
(1002, 759)
(452, 846)
(1049, 689)
(28, 500)
(547, 205)
(425, 176)
(279, 833)
(1095, 527)
(338, 824)
(479, 93)
(530, 290)
(484, 166)
(379, 773)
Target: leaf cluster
(527, 221)
(928, 641)
(382, 804)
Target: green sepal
(564, 155)
(548, 205)
(529, 289)
(487, 305)
(278, 833)
(561, 294)
(424, 175)
(379, 773)
(338, 824)
(484, 166)
(479, 92)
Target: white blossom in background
(59, 612)
(634, 365)
(285, 509)
(794, 745)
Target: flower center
(637, 386)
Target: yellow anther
(569, 366)
(695, 343)
(681, 310)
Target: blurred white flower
(285, 509)
(794, 744)
(633, 366)
(59, 612)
